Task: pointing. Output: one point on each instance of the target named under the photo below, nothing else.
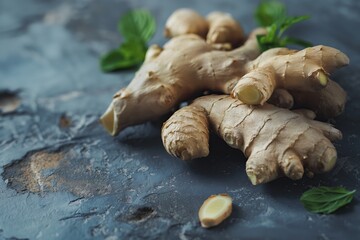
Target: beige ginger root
(186, 21)
(187, 65)
(319, 101)
(276, 141)
(306, 70)
(184, 67)
(224, 29)
(220, 29)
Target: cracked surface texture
(64, 177)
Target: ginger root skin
(281, 98)
(219, 28)
(186, 21)
(224, 29)
(306, 70)
(195, 131)
(326, 103)
(276, 141)
(183, 68)
(187, 66)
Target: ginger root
(224, 29)
(276, 141)
(186, 21)
(219, 28)
(305, 70)
(187, 66)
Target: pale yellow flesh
(215, 209)
(323, 79)
(107, 120)
(252, 178)
(249, 95)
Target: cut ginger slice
(215, 209)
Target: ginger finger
(281, 98)
(261, 167)
(328, 130)
(326, 103)
(224, 29)
(188, 129)
(291, 165)
(276, 141)
(294, 71)
(186, 21)
(251, 90)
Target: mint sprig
(268, 12)
(137, 24)
(273, 16)
(136, 27)
(326, 199)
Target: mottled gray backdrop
(63, 177)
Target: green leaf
(268, 12)
(137, 28)
(266, 43)
(271, 39)
(137, 24)
(128, 55)
(272, 15)
(326, 199)
(289, 21)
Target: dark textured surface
(63, 177)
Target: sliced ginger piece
(214, 210)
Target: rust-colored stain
(42, 172)
(64, 121)
(9, 101)
(37, 172)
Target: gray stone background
(63, 177)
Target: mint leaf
(287, 22)
(134, 49)
(137, 24)
(326, 199)
(273, 16)
(126, 56)
(137, 28)
(268, 12)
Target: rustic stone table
(63, 177)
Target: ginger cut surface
(215, 210)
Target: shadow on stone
(141, 214)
